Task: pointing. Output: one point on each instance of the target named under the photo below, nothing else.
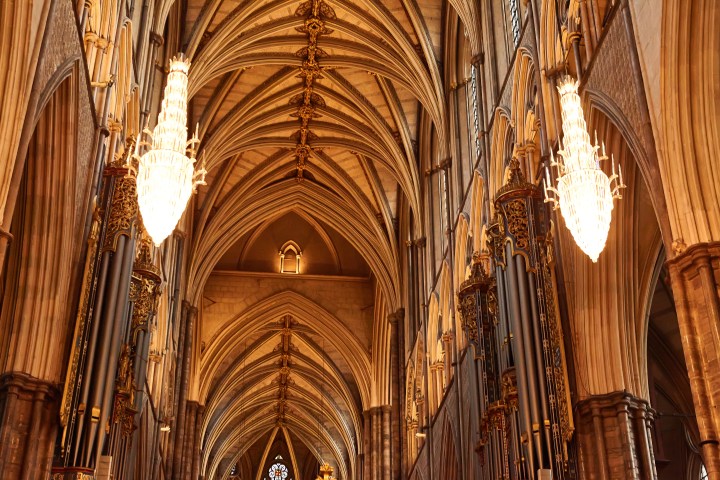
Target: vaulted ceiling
(309, 114)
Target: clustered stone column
(377, 454)
(695, 276)
(397, 429)
(613, 433)
(28, 426)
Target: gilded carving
(144, 287)
(518, 223)
(123, 411)
(123, 212)
(477, 302)
(316, 12)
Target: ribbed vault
(295, 367)
(310, 110)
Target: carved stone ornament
(307, 103)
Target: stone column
(28, 426)
(377, 443)
(613, 439)
(385, 413)
(447, 341)
(397, 391)
(196, 451)
(420, 423)
(190, 312)
(412, 447)
(367, 444)
(695, 276)
(434, 380)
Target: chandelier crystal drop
(166, 175)
(584, 193)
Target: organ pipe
(510, 319)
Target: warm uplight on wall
(584, 193)
(166, 175)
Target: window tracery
(278, 471)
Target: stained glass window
(278, 472)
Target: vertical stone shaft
(366, 446)
(695, 276)
(612, 433)
(385, 413)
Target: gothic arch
(448, 460)
(501, 150)
(612, 360)
(477, 210)
(603, 109)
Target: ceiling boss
(315, 11)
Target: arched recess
(434, 354)
(524, 118)
(676, 436)
(501, 150)
(550, 58)
(420, 397)
(448, 461)
(477, 213)
(460, 272)
(445, 297)
(288, 195)
(608, 300)
(47, 208)
(601, 106)
(434, 326)
(44, 255)
(463, 99)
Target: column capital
(396, 316)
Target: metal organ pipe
(526, 422)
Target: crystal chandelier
(166, 175)
(584, 192)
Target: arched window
(290, 254)
(278, 471)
